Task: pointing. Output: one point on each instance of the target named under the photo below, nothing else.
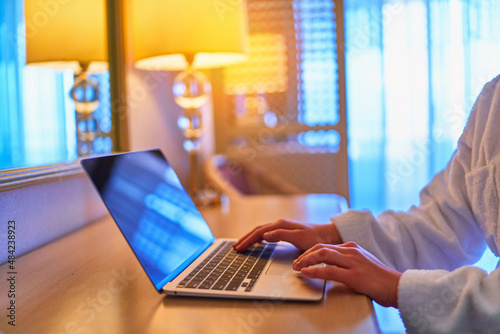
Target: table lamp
(186, 36)
(71, 34)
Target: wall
(46, 211)
(152, 116)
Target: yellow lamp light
(169, 35)
(65, 31)
(266, 68)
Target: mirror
(38, 122)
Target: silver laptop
(174, 244)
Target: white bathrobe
(434, 243)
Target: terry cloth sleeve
(441, 233)
(458, 210)
(466, 300)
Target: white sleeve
(441, 233)
(466, 300)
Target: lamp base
(85, 94)
(191, 90)
(202, 197)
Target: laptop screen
(153, 211)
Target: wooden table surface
(90, 282)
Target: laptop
(175, 245)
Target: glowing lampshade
(208, 33)
(66, 31)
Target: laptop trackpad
(282, 260)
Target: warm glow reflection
(264, 72)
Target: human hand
(355, 267)
(301, 235)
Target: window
(285, 102)
(414, 69)
(291, 75)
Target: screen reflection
(152, 209)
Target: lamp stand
(191, 91)
(85, 94)
(191, 124)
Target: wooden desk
(90, 282)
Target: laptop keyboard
(226, 269)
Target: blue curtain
(11, 64)
(414, 69)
